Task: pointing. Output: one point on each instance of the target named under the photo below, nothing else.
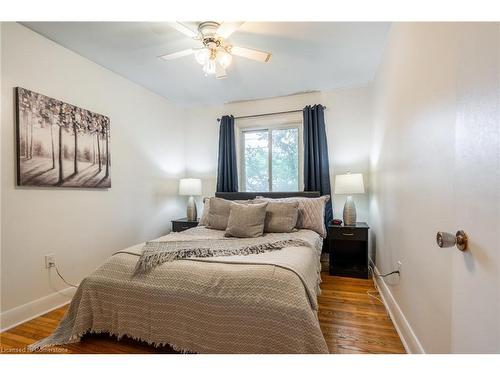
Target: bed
(258, 303)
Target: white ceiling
(306, 56)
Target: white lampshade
(190, 186)
(349, 183)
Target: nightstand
(348, 250)
(182, 224)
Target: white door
(475, 312)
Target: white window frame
(259, 125)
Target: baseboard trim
(408, 337)
(18, 315)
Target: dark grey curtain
(316, 166)
(227, 175)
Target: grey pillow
(311, 212)
(218, 212)
(246, 220)
(281, 217)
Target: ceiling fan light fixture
(209, 67)
(215, 53)
(202, 56)
(224, 58)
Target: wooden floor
(351, 321)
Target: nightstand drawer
(349, 234)
(181, 225)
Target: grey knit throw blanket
(159, 252)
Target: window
(269, 158)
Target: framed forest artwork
(59, 144)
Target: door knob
(445, 239)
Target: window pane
(256, 161)
(285, 159)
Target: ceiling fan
(215, 53)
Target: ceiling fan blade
(179, 26)
(160, 28)
(250, 53)
(220, 72)
(227, 28)
(176, 55)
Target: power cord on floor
(371, 295)
(62, 278)
(382, 276)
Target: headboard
(243, 195)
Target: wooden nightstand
(182, 224)
(348, 250)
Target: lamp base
(349, 212)
(191, 213)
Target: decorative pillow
(246, 220)
(311, 212)
(218, 212)
(281, 217)
(204, 215)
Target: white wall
(348, 123)
(416, 184)
(83, 227)
(1, 23)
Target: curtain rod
(269, 114)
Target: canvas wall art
(59, 144)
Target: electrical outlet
(50, 260)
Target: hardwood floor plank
(352, 322)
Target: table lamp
(349, 184)
(190, 187)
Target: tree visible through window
(271, 159)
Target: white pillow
(204, 215)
